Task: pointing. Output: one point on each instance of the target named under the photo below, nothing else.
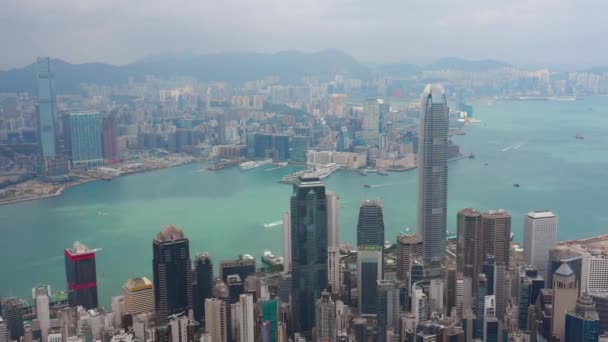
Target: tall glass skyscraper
(433, 172)
(308, 250)
(46, 106)
(81, 276)
(85, 128)
(172, 273)
(203, 289)
(370, 226)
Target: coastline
(58, 192)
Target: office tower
(245, 318)
(12, 313)
(178, 327)
(41, 296)
(502, 289)
(482, 292)
(85, 129)
(497, 237)
(203, 288)
(540, 235)
(325, 327)
(299, 147)
(488, 268)
(81, 276)
(244, 266)
(409, 248)
(601, 306)
(3, 330)
(388, 308)
(333, 242)
(270, 314)
(138, 296)
(108, 137)
(172, 273)
(420, 305)
(371, 119)
(433, 173)
(583, 323)
(118, 310)
(560, 254)
(216, 317)
(46, 107)
(450, 286)
(530, 284)
(470, 242)
(308, 249)
(436, 296)
(286, 242)
(370, 226)
(463, 301)
(369, 271)
(235, 287)
(565, 294)
(491, 326)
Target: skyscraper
(583, 323)
(502, 289)
(497, 239)
(433, 173)
(469, 248)
(334, 270)
(369, 271)
(85, 129)
(108, 137)
(482, 292)
(371, 118)
(46, 107)
(245, 318)
(287, 242)
(244, 266)
(41, 295)
(308, 249)
(138, 296)
(12, 312)
(370, 227)
(3, 331)
(409, 248)
(530, 284)
(565, 294)
(540, 235)
(81, 276)
(387, 308)
(491, 325)
(203, 289)
(172, 273)
(325, 327)
(216, 319)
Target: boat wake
(514, 147)
(273, 224)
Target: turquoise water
(224, 212)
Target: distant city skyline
(103, 30)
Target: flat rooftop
(596, 244)
(541, 214)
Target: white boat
(273, 224)
(272, 259)
(247, 165)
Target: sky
(551, 33)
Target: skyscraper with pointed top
(308, 250)
(433, 172)
(172, 273)
(46, 106)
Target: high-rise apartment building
(138, 296)
(540, 235)
(433, 173)
(497, 237)
(470, 241)
(409, 248)
(172, 273)
(46, 107)
(245, 318)
(81, 276)
(216, 319)
(370, 226)
(308, 250)
(203, 284)
(87, 148)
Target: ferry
(252, 164)
(273, 224)
(579, 136)
(271, 259)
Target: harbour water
(224, 212)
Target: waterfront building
(540, 235)
(85, 129)
(325, 327)
(594, 261)
(81, 276)
(299, 149)
(46, 107)
(497, 237)
(244, 266)
(172, 273)
(370, 226)
(308, 250)
(409, 248)
(582, 323)
(470, 244)
(433, 173)
(565, 294)
(245, 318)
(216, 318)
(388, 308)
(369, 271)
(108, 137)
(138, 296)
(203, 284)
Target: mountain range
(232, 67)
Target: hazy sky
(572, 33)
